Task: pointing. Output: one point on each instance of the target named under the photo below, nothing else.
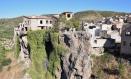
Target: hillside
(93, 15)
(10, 21)
(90, 14)
(58, 55)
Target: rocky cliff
(47, 51)
(76, 64)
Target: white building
(37, 22)
(94, 31)
(99, 37)
(106, 27)
(115, 35)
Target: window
(50, 22)
(95, 41)
(42, 27)
(91, 27)
(128, 33)
(46, 21)
(22, 29)
(41, 22)
(68, 15)
(113, 27)
(130, 44)
(28, 22)
(85, 24)
(26, 28)
(124, 43)
(25, 22)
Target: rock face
(76, 64)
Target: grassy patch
(6, 32)
(3, 60)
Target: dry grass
(112, 70)
(13, 71)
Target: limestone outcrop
(76, 63)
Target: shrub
(6, 62)
(3, 60)
(2, 53)
(122, 70)
(105, 58)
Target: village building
(42, 22)
(67, 15)
(38, 22)
(98, 37)
(104, 35)
(126, 38)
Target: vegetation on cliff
(17, 47)
(45, 49)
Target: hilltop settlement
(106, 34)
(110, 33)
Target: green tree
(63, 23)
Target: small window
(42, 27)
(28, 22)
(95, 41)
(91, 27)
(128, 33)
(113, 27)
(85, 24)
(22, 29)
(26, 28)
(130, 44)
(50, 22)
(124, 43)
(25, 22)
(68, 15)
(46, 21)
(41, 22)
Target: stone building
(126, 39)
(68, 15)
(37, 22)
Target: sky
(14, 8)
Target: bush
(2, 53)
(3, 60)
(121, 70)
(105, 58)
(6, 62)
